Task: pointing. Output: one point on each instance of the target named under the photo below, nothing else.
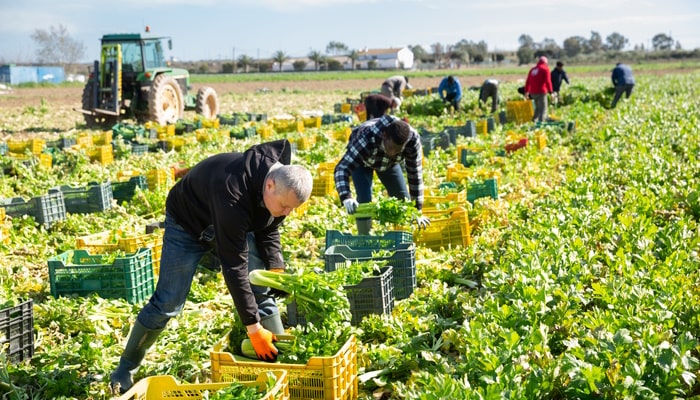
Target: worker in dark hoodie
(231, 203)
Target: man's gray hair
(295, 178)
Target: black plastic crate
(402, 259)
(373, 295)
(295, 318)
(17, 329)
(124, 191)
(389, 240)
(139, 149)
(95, 197)
(46, 210)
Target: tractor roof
(123, 37)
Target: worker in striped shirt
(381, 145)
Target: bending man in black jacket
(233, 203)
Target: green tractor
(133, 80)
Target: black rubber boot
(140, 340)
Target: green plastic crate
(489, 188)
(95, 197)
(124, 191)
(77, 272)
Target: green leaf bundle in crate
(388, 210)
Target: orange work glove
(262, 340)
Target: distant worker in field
(234, 204)
(558, 76)
(489, 89)
(450, 91)
(538, 85)
(623, 80)
(377, 105)
(395, 85)
(381, 145)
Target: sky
(227, 29)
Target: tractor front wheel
(165, 101)
(207, 103)
(88, 103)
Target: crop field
(578, 279)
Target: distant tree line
(56, 46)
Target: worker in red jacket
(538, 85)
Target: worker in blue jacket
(623, 80)
(450, 91)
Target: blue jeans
(178, 264)
(392, 179)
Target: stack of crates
(117, 240)
(520, 111)
(344, 247)
(448, 228)
(46, 210)
(95, 197)
(321, 378)
(77, 272)
(17, 331)
(324, 182)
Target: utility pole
(234, 60)
(258, 59)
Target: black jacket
(224, 191)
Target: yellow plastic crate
(300, 211)
(45, 160)
(35, 146)
(431, 200)
(321, 378)
(102, 154)
(160, 178)
(306, 142)
(265, 132)
(342, 134)
(84, 141)
(110, 241)
(345, 108)
(4, 233)
(520, 111)
(163, 387)
(101, 139)
(541, 139)
(2, 214)
(445, 229)
(482, 127)
(324, 185)
(312, 122)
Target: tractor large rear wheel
(207, 103)
(98, 120)
(165, 101)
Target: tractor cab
(133, 80)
